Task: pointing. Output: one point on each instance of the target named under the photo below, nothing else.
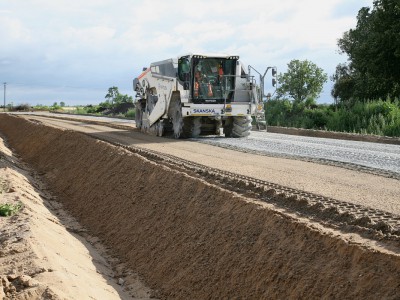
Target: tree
(112, 94)
(123, 99)
(373, 50)
(303, 80)
(344, 82)
(62, 104)
(115, 101)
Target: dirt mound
(193, 240)
(39, 257)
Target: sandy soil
(193, 240)
(40, 257)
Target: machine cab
(209, 79)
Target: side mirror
(183, 68)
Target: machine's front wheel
(160, 128)
(228, 125)
(196, 128)
(241, 126)
(237, 127)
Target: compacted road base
(190, 239)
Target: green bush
(371, 117)
(41, 107)
(130, 114)
(9, 209)
(80, 110)
(21, 107)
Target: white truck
(198, 94)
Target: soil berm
(193, 239)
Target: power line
(5, 84)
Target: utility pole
(5, 84)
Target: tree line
(373, 50)
(366, 88)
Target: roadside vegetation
(365, 117)
(366, 88)
(115, 105)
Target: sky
(74, 50)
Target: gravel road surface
(378, 156)
(372, 155)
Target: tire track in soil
(377, 223)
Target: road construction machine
(198, 94)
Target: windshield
(214, 79)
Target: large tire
(177, 119)
(188, 127)
(218, 126)
(228, 125)
(196, 127)
(191, 127)
(160, 128)
(241, 126)
(138, 116)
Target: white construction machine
(199, 94)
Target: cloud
(101, 43)
(13, 32)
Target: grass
(377, 117)
(9, 209)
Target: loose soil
(193, 240)
(40, 255)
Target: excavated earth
(192, 239)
